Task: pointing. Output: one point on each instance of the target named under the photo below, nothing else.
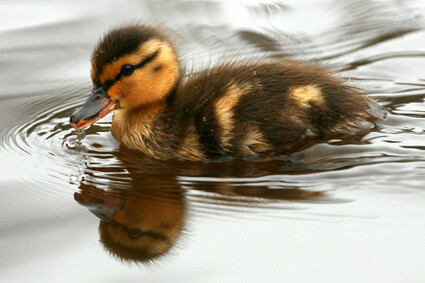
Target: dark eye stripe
(108, 84)
(150, 234)
(147, 60)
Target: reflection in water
(139, 224)
(142, 216)
(370, 187)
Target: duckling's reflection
(140, 223)
(143, 216)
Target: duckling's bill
(97, 106)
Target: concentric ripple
(39, 146)
(335, 202)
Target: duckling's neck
(137, 127)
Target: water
(344, 210)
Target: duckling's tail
(361, 122)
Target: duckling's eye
(127, 70)
(134, 233)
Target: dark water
(344, 210)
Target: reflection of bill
(138, 224)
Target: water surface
(342, 210)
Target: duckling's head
(132, 66)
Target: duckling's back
(238, 109)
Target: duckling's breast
(139, 129)
(156, 133)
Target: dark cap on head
(122, 41)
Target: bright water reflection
(342, 210)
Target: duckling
(236, 109)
